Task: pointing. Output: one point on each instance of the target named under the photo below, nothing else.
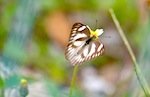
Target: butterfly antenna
(96, 23)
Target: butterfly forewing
(78, 50)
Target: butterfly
(84, 44)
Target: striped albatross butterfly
(84, 44)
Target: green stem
(140, 77)
(75, 70)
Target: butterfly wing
(79, 34)
(77, 50)
(94, 49)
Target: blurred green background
(33, 39)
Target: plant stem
(75, 70)
(137, 70)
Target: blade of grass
(75, 70)
(137, 70)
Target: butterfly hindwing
(81, 47)
(96, 49)
(90, 51)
